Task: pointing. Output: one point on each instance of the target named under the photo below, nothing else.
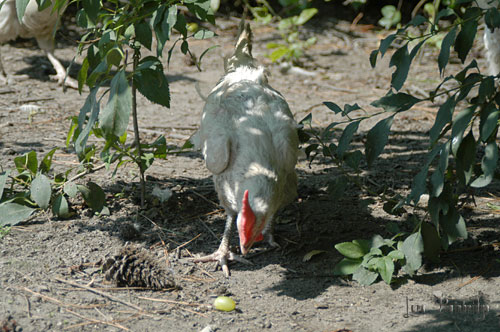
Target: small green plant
(4, 231)
(391, 16)
(112, 31)
(292, 47)
(33, 188)
(366, 260)
(462, 153)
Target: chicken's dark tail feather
(242, 55)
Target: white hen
(491, 40)
(35, 24)
(249, 141)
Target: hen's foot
(223, 256)
(66, 82)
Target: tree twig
(136, 130)
(95, 291)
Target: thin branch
(95, 291)
(136, 130)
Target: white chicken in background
(491, 40)
(249, 140)
(35, 24)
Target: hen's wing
(213, 138)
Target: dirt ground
(50, 277)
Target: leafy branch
(451, 138)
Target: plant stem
(136, 130)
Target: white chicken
(35, 24)
(491, 40)
(249, 140)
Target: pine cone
(10, 325)
(136, 267)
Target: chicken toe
(223, 255)
(61, 77)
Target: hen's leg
(3, 75)
(62, 79)
(268, 233)
(223, 254)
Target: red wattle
(248, 219)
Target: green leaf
(13, 213)
(391, 16)
(115, 115)
(352, 159)
(42, 4)
(461, 75)
(443, 117)
(364, 276)
(398, 102)
(152, 82)
(143, 34)
(385, 43)
(41, 191)
(454, 225)
(467, 85)
(279, 53)
(21, 8)
(444, 13)
(418, 186)
(60, 207)
(346, 138)
(91, 105)
(351, 250)
(377, 139)
(349, 108)
(181, 24)
(492, 18)
(28, 161)
(332, 106)
(365, 245)
(92, 8)
(373, 58)
(466, 155)
(460, 123)
(82, 74)
(488, 121)
(346, 266)
(437, 178)
(465, 37)
(203, 34)
(70, 189)
(385, 268)
(184, 47)
(100, 70)
(432, 242)
(396, 254)
(377, 241)
(306, 15)
(444, 53)
(93, 195)
(46, 162)
(114, 56)
(486, 89)
(488, 165)
(205, 52)
(413, 248)
(3, 180)
(401, 59)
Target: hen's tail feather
(242, 55)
